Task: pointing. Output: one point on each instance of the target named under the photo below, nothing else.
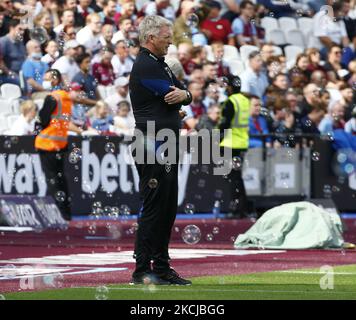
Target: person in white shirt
(254, 80)
(122, 93)
(123, 34)
(25, 124)
(66, 64)
(328, 27)
(121, 62)
(89, 36)
(160, 7)
(52, 53)
(67, 19)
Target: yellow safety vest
(237, 137)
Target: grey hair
(151, 25)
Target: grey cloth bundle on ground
(298, 225)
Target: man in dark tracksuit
(156, 96)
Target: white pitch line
(219, 290)
(317, 272)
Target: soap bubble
(223, 82)
(92, 229)
(192, 20)
(209, 237)
(101, 293)
(191, 234)
(153, 183)
(216, 230)
(75, 156)
(39, 34)
(315, 156)
(124, 210)
(60, 196)
(109, 147)
(236, 163)
(189, 208)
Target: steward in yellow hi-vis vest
(234, 126)
(55, 136)
(237, 137)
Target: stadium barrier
(272, 177)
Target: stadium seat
(292, 52)
(276, 37)
(277, 51)
(287, 23)
(269, 23)
(246, 50)
(5, 107)
(10, 91)
(236, 67)
(311, 40)
(3, 124)
(295, 37)
(231, 52)
(305, 25)
(11, 119)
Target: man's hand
(175, 96)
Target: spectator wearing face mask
(34, 69)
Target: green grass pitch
(290, 285)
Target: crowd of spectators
(94, 44)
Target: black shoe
(147, 279)
(173, 278)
